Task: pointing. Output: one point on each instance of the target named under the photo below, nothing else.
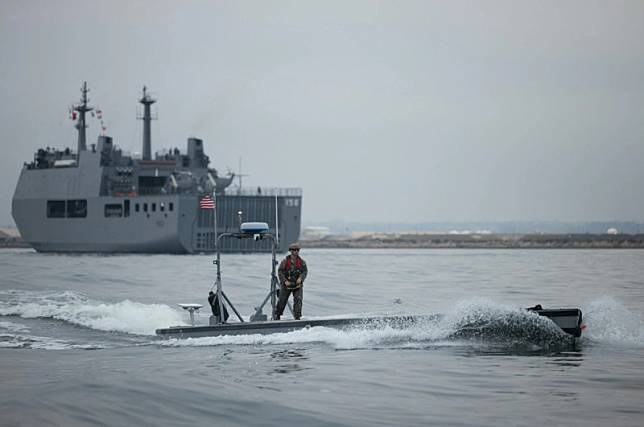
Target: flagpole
(220, 292)
(277, 222)
(214, 197)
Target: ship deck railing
(257, 191)
(264, 191)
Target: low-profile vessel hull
(569, 320)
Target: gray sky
(381, 111)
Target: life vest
(291, 273)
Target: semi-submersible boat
(569, 320)
(99, 199)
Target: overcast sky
(380, 111)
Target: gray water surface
(77, 343)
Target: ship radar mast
(81, 124)
(147, 101)
(239, 176)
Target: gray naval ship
(99, 199)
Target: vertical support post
(273, 282)
(218, 262)
(220, 299)
(214, 197)
(277, 222)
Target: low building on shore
(313, 232)
(10, 238)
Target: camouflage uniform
(296, 269)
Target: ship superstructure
(99, 199)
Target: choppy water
(77, 344)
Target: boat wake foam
(14, 335)
(610, 322)
(124, 316)
(468, 322)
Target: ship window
(55, 209)
(151, 184)
(154, 207)
(171, 206)
(126, 208)
(136, 207)
(113, 210)
(76, 208)
(145, 207)
(162, 207)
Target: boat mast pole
(220, 300)
(81, 124)
(277, 222)
(273, 280)
(219, 290)
(214, 198)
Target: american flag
(206, 202)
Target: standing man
(291, 272)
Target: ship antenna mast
(81, 124)
(147, 101)
(240, 175)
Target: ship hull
(143, 224)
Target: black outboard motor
(568, 319)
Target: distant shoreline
(451, 241)
(481, 241)
(13, 243)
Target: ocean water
(78, 348)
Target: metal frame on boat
(568, 319)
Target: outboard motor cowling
(568, 319)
